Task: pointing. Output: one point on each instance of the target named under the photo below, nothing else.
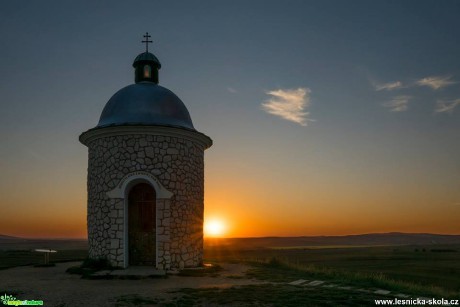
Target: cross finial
(147, 41)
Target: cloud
(435, 82)
(446, 106)
(398, 103)
(290, 104)
(231, 90)
(388, 86)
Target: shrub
(96, 264)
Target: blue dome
(145, 103)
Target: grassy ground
(428, 266)
(12, 258)
(276, 292)
(431, 270)
(273, 295)
(136, 300)
(279, 271)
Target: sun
(214, 228)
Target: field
(422, 270)
(426, 265)
(21, 252)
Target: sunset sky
(328, 117)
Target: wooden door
(142, 225)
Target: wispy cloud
(388, 86)
(446, 106)
(398, 103)
(231, 90)
(290, 104)
(436, 82)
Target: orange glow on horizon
(255, 214)
(214, 227)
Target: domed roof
(145, 103)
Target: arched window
(147, 71)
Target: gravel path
(57, 288)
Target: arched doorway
(142, 225)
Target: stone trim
(163, 237)
(94, 134)
(163, 214)
(135, 177)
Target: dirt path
(57, 288)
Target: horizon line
(250, 237)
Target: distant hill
(17, 243)
(5, 237)
(372, 239)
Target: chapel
(146, 176)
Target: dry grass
(284, 270)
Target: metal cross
(147, 36)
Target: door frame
(163, 205)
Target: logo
(10, 300)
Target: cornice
(97, 133)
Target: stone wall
(177, 163)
